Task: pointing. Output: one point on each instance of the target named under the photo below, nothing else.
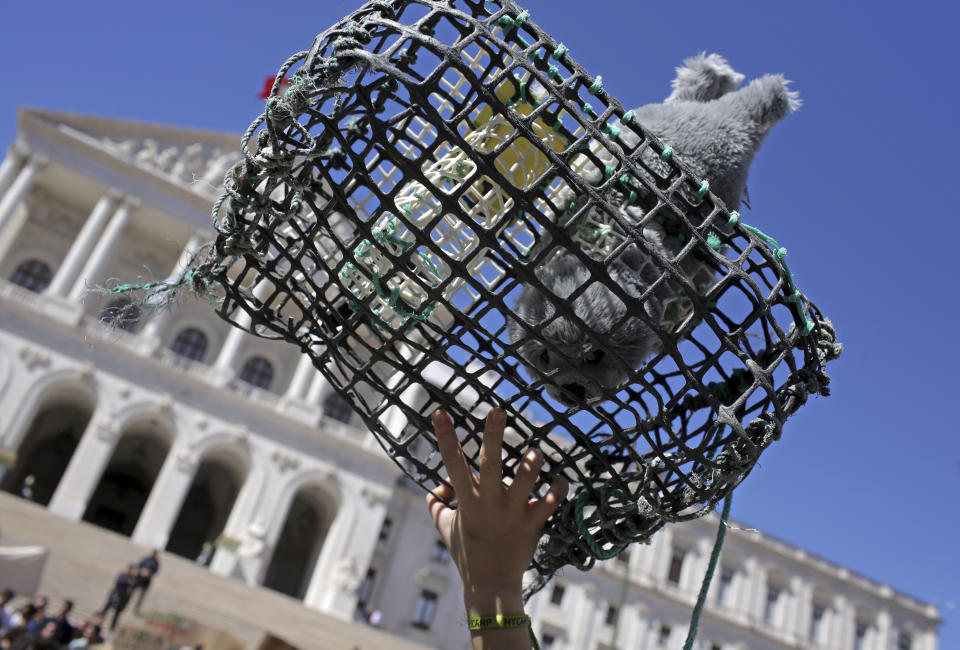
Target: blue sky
(856, 184)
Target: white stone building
(179, 430)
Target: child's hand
(493, 532)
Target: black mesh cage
(426, 160)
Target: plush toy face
(717, 130)
(581, 366)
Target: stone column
(302, 378)
(752, 594)
(166, 497)
(843, 626)
(97, 261)
(10, 222)
(318, 391)
(581, 630)
(11, 166)
(223, 366)
(66, 275)
(884, 631)
(153, 330)
(348, 542)
(86, 466)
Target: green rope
(595, 548)
(795, 298)
(711, 568)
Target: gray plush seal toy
(717, 130)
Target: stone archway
(125, 484)
(208, 503)
(301, 539)
(46, 449)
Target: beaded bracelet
(503, 622)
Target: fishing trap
(395, 200)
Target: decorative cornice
(34, 357)
(107, 431)
(186, 461)
(284, 460)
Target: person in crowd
(148, 567)
(6, 609)
(41, 602)
(11, 636)
(89, 636)
(493, 531)
(26, 617)
(26, 488)
(206, 554)
(97, 622)
(62, 620)
(120, 594)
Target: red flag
(268, 85)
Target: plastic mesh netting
(427, 163)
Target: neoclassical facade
(177, 430)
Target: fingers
(491, 465)
(441, 514)
(526, 476)
(551, 500)
(460, 474)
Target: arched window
(190, 343)
(258, 372)
(121, 313)
(337, 408)
(33, 275)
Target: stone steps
(84, 559)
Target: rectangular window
(385, 529)
(426, 608)
(716, 646)
(816, 621)
(676, 565)
(723, 587)
(439, 552)
(904, 641)
(611, 617)
(860, 638)
(547, 642)
(770, 607)
(556, 596)
(663, 636)
(366, 588)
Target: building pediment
(193, 159)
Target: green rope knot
(714, 241)
(704, 188)
(667, 153)
(510, 23)
(597, 86)
(560, 51)
(597, 550)
(734, 219)
(628, 117)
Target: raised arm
(493, 532)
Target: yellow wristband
(503, 622)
